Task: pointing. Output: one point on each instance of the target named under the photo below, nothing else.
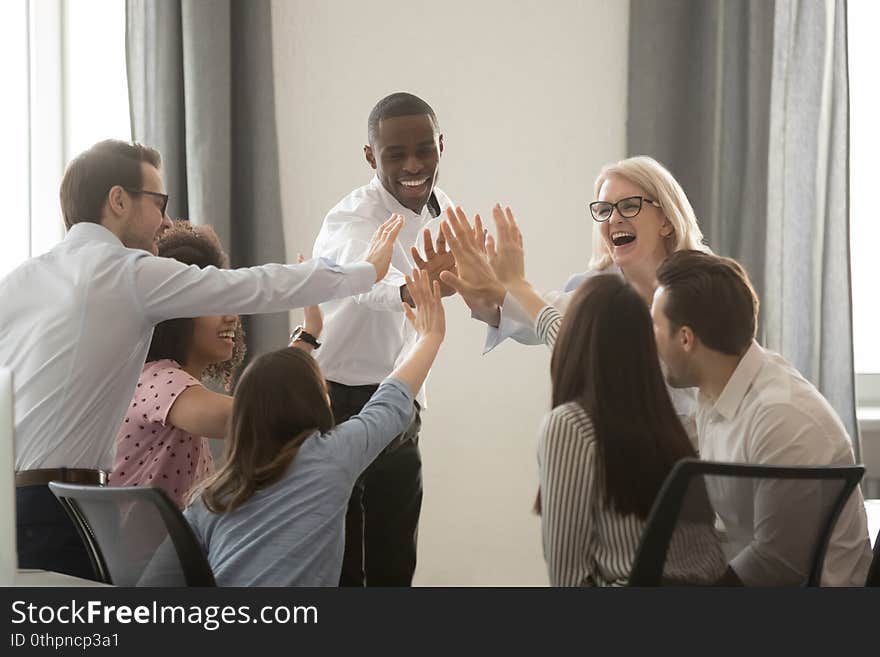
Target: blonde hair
(657, 183)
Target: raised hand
(382, 245)
(436, 260)
(428, 318)
(474, 280)
(429, 321)
(506, 257)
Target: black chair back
(773, 522)
(135, 536)
(874, 570)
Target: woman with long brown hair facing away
(274, 514)
(612, 435)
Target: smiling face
(640, 239)
(406, 156)
(213, 339)
(145, 222)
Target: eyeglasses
(626, 207)
(164, 197)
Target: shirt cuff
(362, 276)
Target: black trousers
(381, 525)
(46, 536)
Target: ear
(666, 228)
(117, 201)
(368, 153)
(441, 144)
(687, 338)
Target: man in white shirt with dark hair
(753, 407)
(77, 323)
(366, 335)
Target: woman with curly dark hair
(163, 440)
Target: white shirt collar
(87, 231)
(738, 385)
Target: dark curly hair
(200, 246)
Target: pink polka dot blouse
(150, 452)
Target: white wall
(531, 100)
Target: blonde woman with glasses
(641, 215)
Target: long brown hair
(605, 359)
(280, 400)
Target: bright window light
(65, 88)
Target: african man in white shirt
(366, 335)
(753, 407)
(77, 322)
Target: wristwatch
(299, 333)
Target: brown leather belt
(66, 475)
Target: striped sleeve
(567, 464)
(547, 325)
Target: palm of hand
(436, 263)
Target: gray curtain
(201, 91)
(747, 103)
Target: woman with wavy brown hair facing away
(274, 514)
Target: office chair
(135, 536)
(874, 570)
(772, 522)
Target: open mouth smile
(622, 238)
(415, 186)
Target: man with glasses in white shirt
(753, 407)
(77, 323)
(366, 335)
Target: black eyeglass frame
(616, 206)
(164, 197)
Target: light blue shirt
(292, 533)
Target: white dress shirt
(768, 414)
(366, 336)
(77, 323)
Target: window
(65, 88)
(864, 53)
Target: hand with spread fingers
(428, 318)
(474, 279)
(506, 255)
(507, 259)
(382, 245)
(436, 260)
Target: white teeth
(414, 183)
(227, 334)
(614, 236)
